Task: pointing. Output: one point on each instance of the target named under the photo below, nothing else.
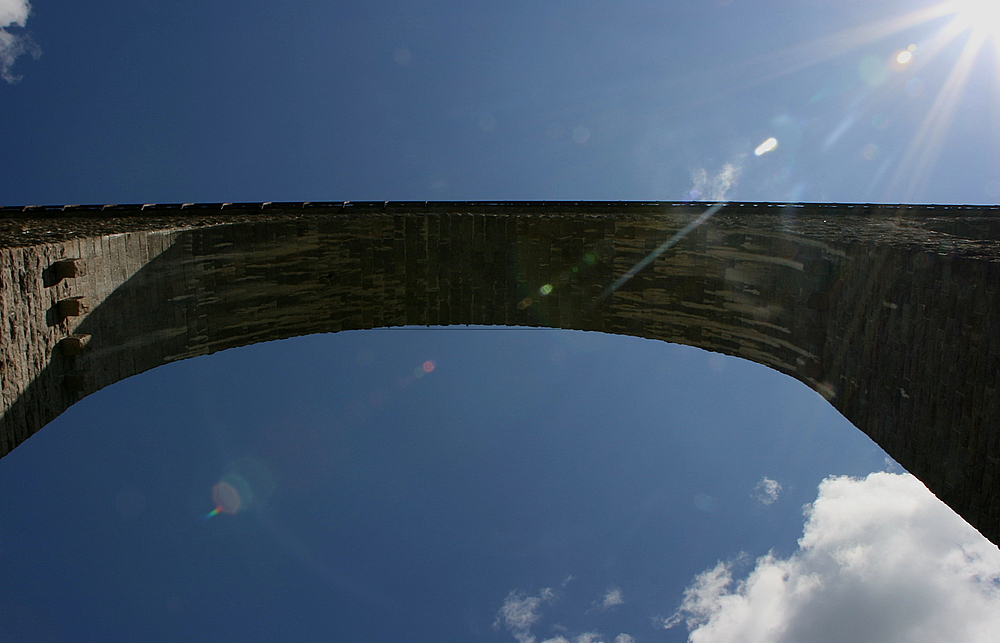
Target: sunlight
(979, 15)
(926, 144)
(972, 23)
(980, 21)
(827, 47)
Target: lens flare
(765, 147)
(226, 497)
(230, 494)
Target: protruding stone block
(74, 344)
(71, 307)
(68, 269)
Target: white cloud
(612, 598)
(880, 560)
(589, 637)
(558, 639)
(14, 13)
(715, 187)
(766, 491)
(520, 612)
(624, 638)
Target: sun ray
(926, 144)
(652, 256)
(824, 48)
(958, 19)
(995, 103)
(930, 49)
(734, 78)
(703, 86)
(982, 16)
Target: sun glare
(979, 15)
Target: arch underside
(889, 313)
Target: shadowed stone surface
(889, 312)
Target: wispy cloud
(892, 466)
(590, 637)
(766, 491)
(520, 611)
(880, 559)
(715, 187)
(14, 13)
(612, 598)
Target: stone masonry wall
(889, 312)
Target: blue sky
(534, 485)
(523, 458)
(191, 101)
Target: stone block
(71, 307)
(73, 345)
(68, 268)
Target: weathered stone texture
(42, 308)
(890, 312)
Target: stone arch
(889, 312)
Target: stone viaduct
(890, 312)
